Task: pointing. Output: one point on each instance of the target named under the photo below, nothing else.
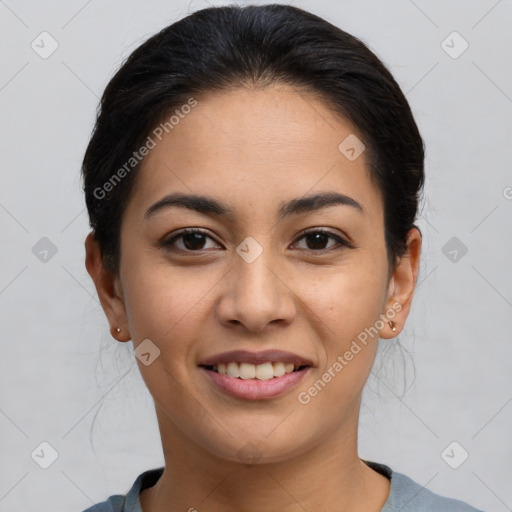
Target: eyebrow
(212, 207)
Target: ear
(108, 287)
(401, 286)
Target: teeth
(247, 371)
(263, 371)
(279, 369)
(232, 370)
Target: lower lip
(255, 389)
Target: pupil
(318, 237)
(193, 237)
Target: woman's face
(253, 280)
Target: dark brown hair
(217, 48)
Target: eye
(318, 237)
(193, 240)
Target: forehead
(255, 144)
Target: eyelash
(167, 244)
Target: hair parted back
(219, 48)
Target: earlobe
(108, 289)
(402, 285)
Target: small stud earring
(392, 325)
(118, 329)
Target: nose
(256, 294)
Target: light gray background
(61, 369)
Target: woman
(252, 184)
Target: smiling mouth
(247, 371)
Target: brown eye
(316, 239)
(192, 239)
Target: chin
(256, 450)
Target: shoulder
(114, 503)
(408, 496)
(128, 502)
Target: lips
(247, 375)
(256, 358)
(255, 389)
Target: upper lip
(265, 356)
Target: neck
(330, 476)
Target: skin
(253, 149)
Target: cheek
(166, 308)
(348, 302)
(161, 300)
(349, 307)
(348, 299)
